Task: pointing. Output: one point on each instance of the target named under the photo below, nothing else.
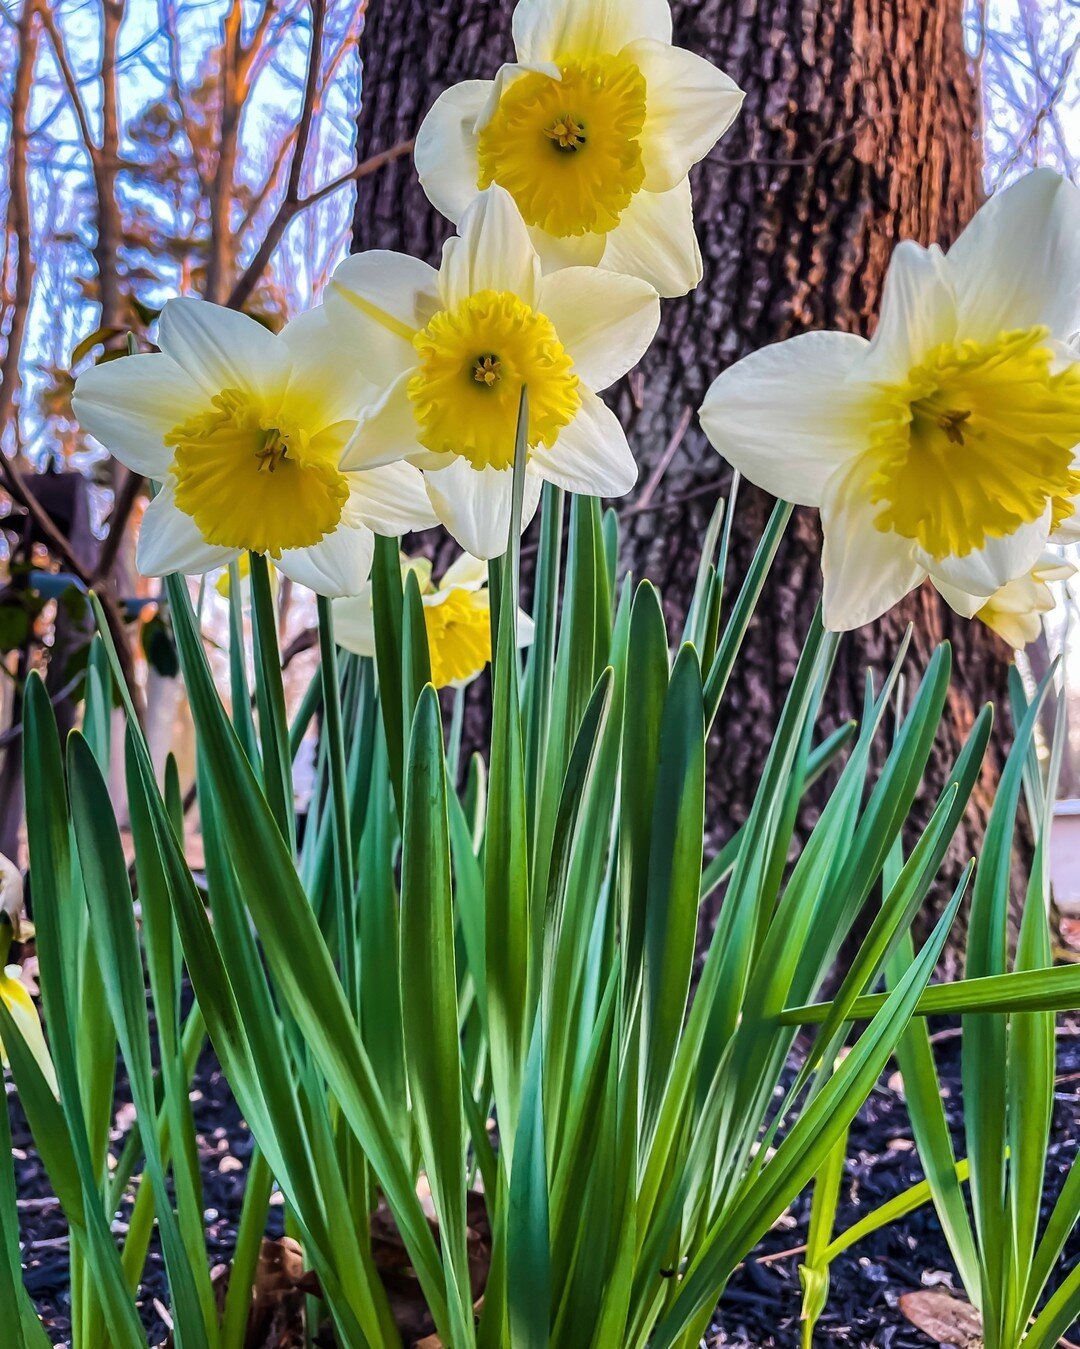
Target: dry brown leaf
(946, 1319)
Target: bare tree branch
(67, 74)
(19, 219)
(288, 210)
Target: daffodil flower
(13, 993)
(455, 346)
(456, 616)
(21, 1009)
(593, 132)
(1015, 611)
(245, 431)
(946, 447)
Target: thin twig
(662, 464)
(68, 75)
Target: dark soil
(761, 1307)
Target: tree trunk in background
(859, 129)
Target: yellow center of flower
(459, 635)
(976, 442)
(567, 150)
(250, 480)
(474, 359)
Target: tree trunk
(859, 129)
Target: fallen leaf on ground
(946, 1319)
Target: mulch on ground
(761, 1307)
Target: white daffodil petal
(445, 153)
(967, 606)
(169, 541)
(788, 415)
(865, 571)
(1018, 628)
(576, 250)
(221, 348)
(691, 103)
(492, 252)
(474, 504)
(655, 240)
(386, 431)
(604, 320)
(130, 405)
(547, 30)
(1053, 568)
(428, 459)
(591, 455)
(337, 565)
(377, 302)
(354, 623)
(465, 573)
(526, 629)
(1017, 265)
(1069, 529)
(1000, 561)
(918, 312)
(1015, 611)
(328, 383)
(391, 499)
(11, 889)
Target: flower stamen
(274, 451)
(487, 370)
(952, 423)
(567, 132)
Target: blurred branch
(285, 149)
(290, 202)
(67, 74)
(110, 225)
(238, 69)
(18, 224)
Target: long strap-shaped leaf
(429, 999)
(50, 861)
(112, 925)
(298, 956)
(805, 1148)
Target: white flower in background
(454, 348)
(593, 133)
(456, 616)
(945, 447)
(11, 890)
(245, 431)
(1015, 611)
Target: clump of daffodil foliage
(473, 996)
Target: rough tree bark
(859, 128)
